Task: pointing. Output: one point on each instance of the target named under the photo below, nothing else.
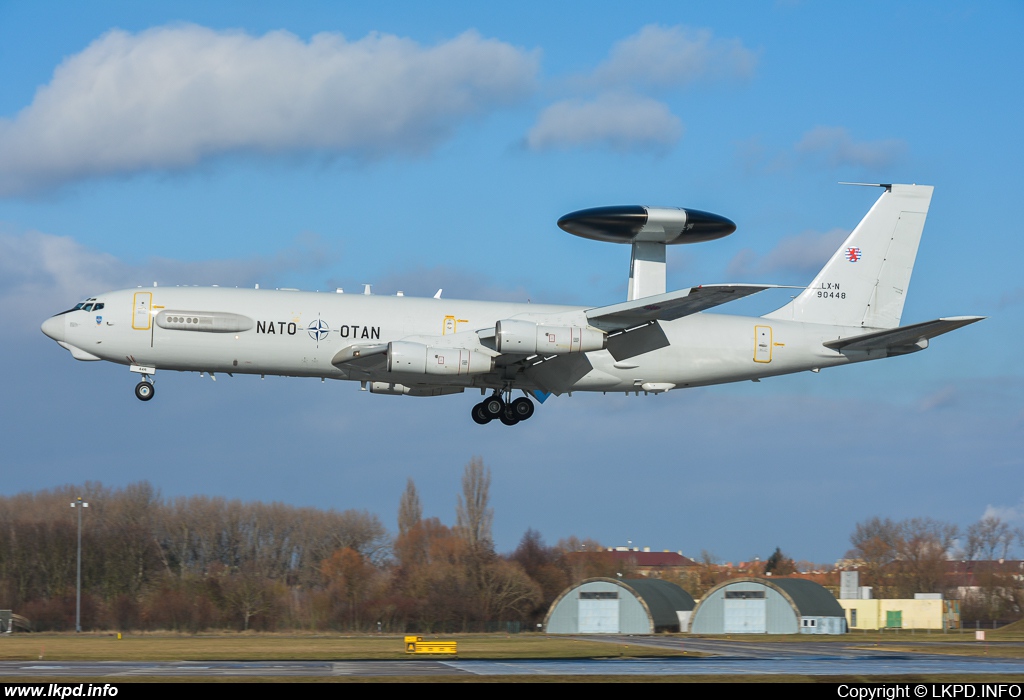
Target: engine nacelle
(529, 338)
(416, 358)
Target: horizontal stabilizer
(669, 306)
(901, 340)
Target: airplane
(654, 342)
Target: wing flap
(903, 339)
(669, 306)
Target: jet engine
(526, 337)
(416, 358)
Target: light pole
(79, 503)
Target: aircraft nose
(54, 327)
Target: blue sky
(318, 145)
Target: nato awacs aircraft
(654, 342)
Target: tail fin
(865, 283)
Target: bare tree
(473, 516)
(923, 547)
(410, 512)
(876, 543)
(506, 591)
(990, 538)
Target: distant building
(644, 562)
(768, 606)
(971, 576)
(619, 606)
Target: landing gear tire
(144, 391)
(508, 416)
(480, 415)
(522, 408)
(493, 407)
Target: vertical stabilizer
(646, 270)
(865, 282)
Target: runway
(807, 665)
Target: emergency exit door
(762, 343)
(141, 318)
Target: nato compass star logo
(319, 330)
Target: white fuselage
(299, 333)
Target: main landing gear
(507, 411)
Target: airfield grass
(1007, 642)
(279, 647)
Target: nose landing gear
(144, 391)
(507, 411)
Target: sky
(414, 147)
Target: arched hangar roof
(660, 599)
(809, 599)
(663, 599)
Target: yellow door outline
(762, 353)
(450, 324)
(142, 303)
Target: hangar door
(599, 612)
(745, 612)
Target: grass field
(271, 647)
(324, 647)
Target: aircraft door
(762, 344)
(142, 320)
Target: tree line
(197, 563)
(923, 555)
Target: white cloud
(669, 57)
(800, 256)
(41, 274)
(833, 146)
(620, 122)
(171, 96)
(654, 58)
(1008, 514)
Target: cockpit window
(86, 305)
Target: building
(768, 606)
(925, 612)
(640, 562)
(619, 606)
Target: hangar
(620, 606)
(768, 606)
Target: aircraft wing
(669, 306)
(901, 340)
